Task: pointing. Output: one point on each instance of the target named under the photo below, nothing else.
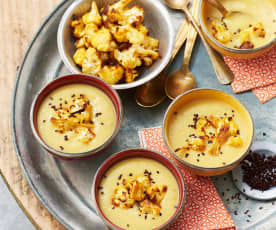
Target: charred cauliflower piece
(93, 16)
(133, 57)
(75, 118)
(140, 191)
(120, 14)
(79, 56)
(220, 32)
(101, 40)
(78, 27)
(111, 74)
(130, 75)
(92, 63)
(215, 131)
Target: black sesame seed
(235, 213)
(186, 155)
(102, 123)
(130, 174)
(44, 121)
(175, 113)
(157, 172)
(264, 134)
(61, 147)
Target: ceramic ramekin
(233, 52)
(145, 153)
(157, 20)
(196, 94)
(76, 79)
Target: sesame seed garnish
(130, 174)
(66, 138)
(61, 147)
(186, 155)
(98, 114)
(44, 121)
(102, 123)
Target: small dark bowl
(130, 153)
(76, 79)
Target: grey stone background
(11, 215)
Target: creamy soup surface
(252, 27)
(180, 132)
(132, 218)
(91, 114)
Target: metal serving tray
(64, 187)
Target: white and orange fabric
(257, 74)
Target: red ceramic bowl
(76, 79)
(130, 153)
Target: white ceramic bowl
(157, 20)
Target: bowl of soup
(138, 189)
(208, 131)
(76, 116)
(247, 31)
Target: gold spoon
(182, 79)
(223, 73)
(217, 4)
(152, 93)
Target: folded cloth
(255, 73)
(203, 209)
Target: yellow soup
(76, 118)
(252, 23)
(209, 131)
(151, 195)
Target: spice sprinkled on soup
(76, 118)
(138, 193)
(209, 132)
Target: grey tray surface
(64, 187)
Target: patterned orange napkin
(257, 73)
(203, 209)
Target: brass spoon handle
(223, 73)
(219, 6)
(191, 38)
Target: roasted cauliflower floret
(85, 135)
(79, 56)
(111, 74)
(101, 40)
(122, 199)
(235, 141)
(78, 27)
(92, 63)
(133, 57)
(140, 191)
(258, 30)
(130, 75)
(147, 207)
(90, 30)
(93, 16)
(214, 131)
(197, 144)
(220, 32)
(120, 14)
(77, 118)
